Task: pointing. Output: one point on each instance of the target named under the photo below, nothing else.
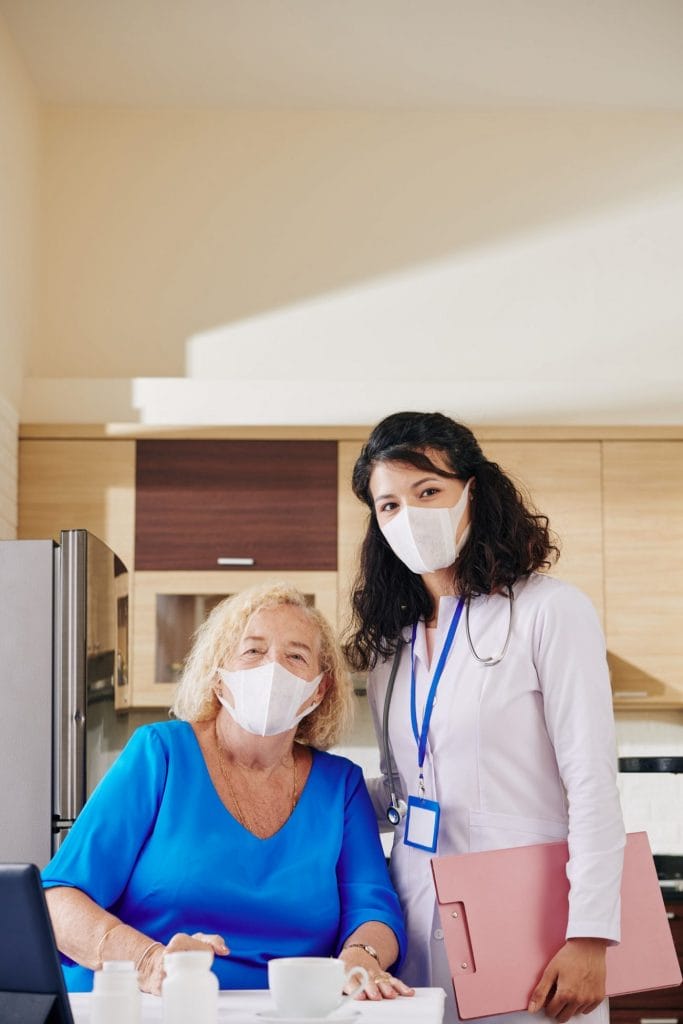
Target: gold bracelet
(98, 951)
(146, 950)
(370, 950)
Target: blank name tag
(422, 823)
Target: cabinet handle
(659, 1020)
(630, 694)
(234, 561)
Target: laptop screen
(30, 973)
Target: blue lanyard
(421, 735)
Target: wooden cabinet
(169, 606)
(78, 484)
(352, 519)
(563, 479)
(616, 504)
(271, 505)
(661, 1006)
(643, 551)
(214, 517)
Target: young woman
(499, 716)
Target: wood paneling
(643, 509)
(89, 485)
(563, 480)
(8, 470)
(273, 501)
(352, 519)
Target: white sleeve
(569, 650)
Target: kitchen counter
(243, 1007)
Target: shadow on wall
(162, 224)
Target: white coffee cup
(311, 986)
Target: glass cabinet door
(169, 607)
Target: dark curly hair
(507, 540)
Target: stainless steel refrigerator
(63, 653)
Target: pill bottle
(115, 994)
(190, 989)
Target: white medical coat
(520, 752)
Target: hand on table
(573, 982)
(385, 986)
(151, 967)
(382, 985)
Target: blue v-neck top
(156, 846)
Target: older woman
(230, 825)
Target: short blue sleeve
(100, 852)
(365, 889)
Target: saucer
(339, 1016)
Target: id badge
(422, 824)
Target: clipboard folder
(504, 916)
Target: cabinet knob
(234, 561)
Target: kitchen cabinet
(78, 484)
(643, 551)
(563, 479)
(266, 505)
(352, 520)
(283, 498)
(660, 1006)
(169, 606)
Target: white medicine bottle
(115, 994)
(189, 991)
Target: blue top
(156, 846)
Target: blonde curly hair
(216, 641)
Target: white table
(242, 1007)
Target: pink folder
(504, 916)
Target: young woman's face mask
(424, 518)
(425, 538)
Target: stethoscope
(397, 808)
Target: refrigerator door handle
(70, 695)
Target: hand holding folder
(504, 916)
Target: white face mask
(424, 538)
(267, 698)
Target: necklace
(244, 820)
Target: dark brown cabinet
(212, 504)
(663, 1005)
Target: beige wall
(19, 135)
(511, 236)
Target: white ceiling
(391, 54)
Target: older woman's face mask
(269, 676)
(267, 698)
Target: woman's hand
(574, 980)
(382, 940)
(381, 984)
(151, 966)
(385, 986)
